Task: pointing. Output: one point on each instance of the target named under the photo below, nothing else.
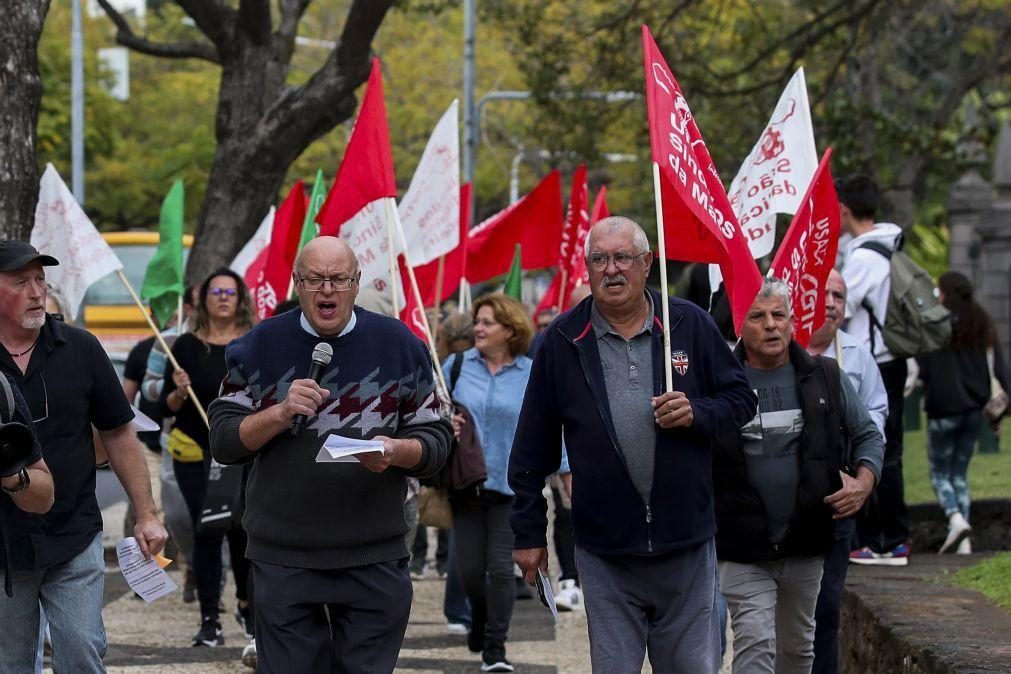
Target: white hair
(616, 223)
(774, 287)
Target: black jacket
(740, 516)
(566, 391)
(956, 382)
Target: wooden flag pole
(391, 217)
(161, 340)
(417, 300)
(440, 273)
(561, 290)
(664, 301)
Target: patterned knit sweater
(305, 514)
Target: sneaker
(249, 654)
(569, 597)
(458, 629)
(417, 567)
(190, 587)
(494, 660)
(958, 529)
(965, 547)
(244, 617)
(897, 557)
(210, 633)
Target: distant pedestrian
(956, 389)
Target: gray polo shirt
(628, 377)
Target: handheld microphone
(321, 356)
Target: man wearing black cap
(70, 387)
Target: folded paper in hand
(338, 449)
(146, 577)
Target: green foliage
(991, 577)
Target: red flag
(600, 210)
(570, 255)
(366, 173)
(274, 265)
(411, 314)
(534, 222)
(453, 267)
(699, 224)
(807, 252)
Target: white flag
(65, 232)
(368, 233)
(430, 210)
(775, 176)
(259, 241)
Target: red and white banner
(699, 223)
(62, 230)
(411, 314)
(571, 261)
(430, 209)
(807, 253)
(356, 208)
(270, 286)
(254, 247)
(534, 222)
(454, 264)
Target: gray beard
(33, 323)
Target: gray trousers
(772, 613)
(662, 604)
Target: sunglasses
(227, 292)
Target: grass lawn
(992, 578)
(989, 474)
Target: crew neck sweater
(305, 514)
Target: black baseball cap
(16, 254)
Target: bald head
(326, 250)
(618, 225)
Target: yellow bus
(108, 311)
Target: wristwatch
(23, 483)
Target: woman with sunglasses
(223, 313)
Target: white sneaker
(958, 528)
(457, 628)
(965, 547)
(569, 597)
(249, 654)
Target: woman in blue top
(491, 384)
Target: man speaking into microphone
(326, 539)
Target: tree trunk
(20, 93)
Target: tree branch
(254, 20)
(214, 19)
(126, 37)
(284, 39)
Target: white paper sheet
(144, 577)
(544, 587)
(338, 449)
(143, 422)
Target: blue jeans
(950, 442)
(455, 606)
(71, 594)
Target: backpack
(916, 322)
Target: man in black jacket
(642, 505)
(780, 482)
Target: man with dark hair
(327, 539)
(780, 481)
(70, 387)
(640, 457)
(883, 531)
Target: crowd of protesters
(747, 490)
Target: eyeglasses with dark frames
(315, 284)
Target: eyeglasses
(314, 284)
(228, 292)
(623, 261)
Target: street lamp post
(77, 104)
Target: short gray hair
(616, 223)
(774, 287)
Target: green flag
(514, 281)
(163, 281)
(310, 230)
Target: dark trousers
(565, 541)
(885, 523)
(826, 612)
(314, 621)
(484, 558)
(455, 606)
(420, 549)
(207, 565)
